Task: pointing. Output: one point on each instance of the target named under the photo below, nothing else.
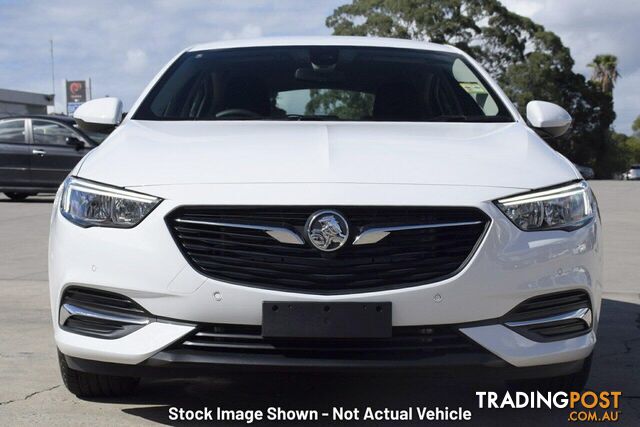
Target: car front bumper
(144, 264)
(166, 364)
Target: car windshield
(322, 83)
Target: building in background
(14, 102)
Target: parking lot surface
(31, 390)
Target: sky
(122, 45)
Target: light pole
(53, 78)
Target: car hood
(145, 153)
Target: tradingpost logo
(584, 406)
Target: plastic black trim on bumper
(196, 364)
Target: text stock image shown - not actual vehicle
(324, 203)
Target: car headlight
(90, 204)
(564, 208)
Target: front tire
(83, 384)
(572, 382)
(17, 197)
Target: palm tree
(605, 72)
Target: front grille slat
(328, 269)
(564, 300)
(560, 328)
(549, 305)
(227, 336)
(405, 342)
(227, 345)
(253, 258)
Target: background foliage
(528, 61)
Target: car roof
(325, 41)
(62, 119)
(69, 121)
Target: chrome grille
(406, 342)
(252, 257)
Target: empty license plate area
(284, 319)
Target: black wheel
(83, 384)
(573, 382)
(17, 196)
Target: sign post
(76, 94)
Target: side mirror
(75, 142)
(549, 118)
(99, 115)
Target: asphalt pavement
(31, 391)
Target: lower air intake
(406, 342)
(100, 314)
(552, 317)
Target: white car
(633, 173)
(323, 203)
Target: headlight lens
(89, 204)
(564, 208)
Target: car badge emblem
(327, 230)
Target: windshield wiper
(302, 117)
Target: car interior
(322, 83)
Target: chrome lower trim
(282, 235)
(70, 310)
(374, 235)
(583, 314)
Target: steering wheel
(238, 112)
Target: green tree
(618, 155)
(635, 127)
(528, 61)
(624, 152)
(605, 72)
(483, 28)
(346, 105)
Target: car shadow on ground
(616, 367)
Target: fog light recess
(100, 314)
(552, 317)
